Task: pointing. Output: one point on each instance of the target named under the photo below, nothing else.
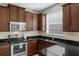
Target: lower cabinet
(36, 46)
(5, 50)
(44, 44)
(32, 47)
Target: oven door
(18, 49)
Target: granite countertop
(45, 38)
(58, 41)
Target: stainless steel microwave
(17, 26)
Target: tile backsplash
(67, 35)
(4, 35)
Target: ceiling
(32, 6)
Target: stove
(18, 46)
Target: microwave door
(23, 26)
(14, 26)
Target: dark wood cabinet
(32, 47)
(21, 15)
(42, 22)
(5, 50)
(35, 20)
(16, 13)
(44, 44)
(4, 19)
(75, 17)
(66, 17)
(13, 12)
(70, 17)
(29, 21)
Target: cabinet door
(66, 17)
(13, 13)
(4, 19)
(5, 50)
(32, 47)
(40, 22)
(21, 15)
(44, 44)
(29, 21)
(35, 19)
(75, 17)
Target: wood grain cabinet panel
(75, 17)
(5, 50)
(29, 21)
(42, 22)
(44, 44)
(35, 20)
(4, 19)
(71, 17)
(32, 47)
(66, 17)
(21, 15)
(13, 10)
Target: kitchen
(39, 29)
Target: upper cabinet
(41, 22)
(66, 17)
(75, 17)
(35, 20)
(16, 13)
(29, 21)
(4, 19)
(13, 11)
(21, 15)
(71, 17)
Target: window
(54, 23)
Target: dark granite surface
(12, 40)
(3, 40)
(45, 38)
(16, 40)
(56, 40)
(41, 37)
